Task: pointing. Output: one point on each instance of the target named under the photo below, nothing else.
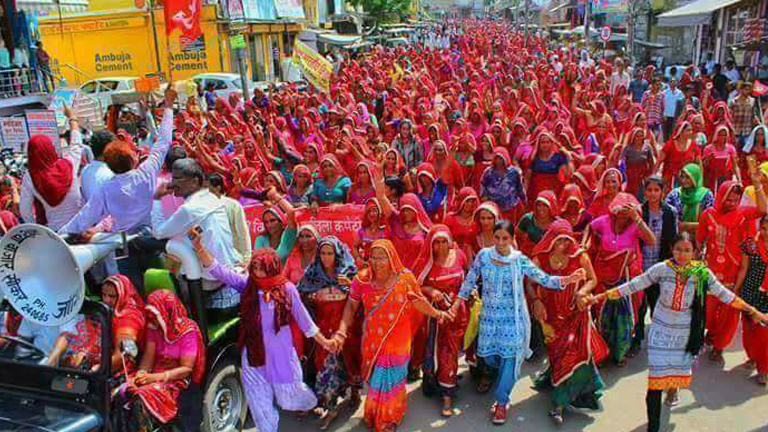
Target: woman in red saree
(722, 229)
(719, 159)
(440, 272)
(574, 346)
(128, 321)
(392, 304)
(173, 360)
(608, 188)
(677, 153)
(614, 240)
(461, 219)
(572, 208)
(548, 166)
(325, 288)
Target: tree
(379, 9)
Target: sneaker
(499, 414)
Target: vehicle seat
(155, 279)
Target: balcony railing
(17, 82)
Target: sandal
(749, 365)
(557, 415)
(447, 410)
(622, 362)
(330, 416)
(762, 379)
(673, 398)
(716, 355)
(634, 350)
(484, 385)
(499, 414)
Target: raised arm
(154, 162)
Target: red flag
(185, 16)
(759, 89)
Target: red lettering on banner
(341, 221)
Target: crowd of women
(519, 198)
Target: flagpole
(154, 36)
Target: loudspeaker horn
(41, 275)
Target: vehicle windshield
(75, 345)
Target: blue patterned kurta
(505, 326)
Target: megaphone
(41, 275)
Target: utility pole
(527, 22)
(587, 18)
(631, 32)
(517, 15)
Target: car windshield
(75, 345)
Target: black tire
(224, 405)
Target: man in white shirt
(96, 173)
(127, 198)
(620, 77)
(732, 73)
(201, 209)
(92, 178)
(672, 97)
(238, 224)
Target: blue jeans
(506, 377)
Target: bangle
(165, 376)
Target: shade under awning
(696, 13)
(649, 45)
(337, 39)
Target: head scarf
(301, 169)
(559, 229)
(373, 202)
(334, 161)
(175, 323)
(51, 176)
(465, 194)
(277, 212)
(601, 191)
(277, 176)
(571, 192)
(691, 197)
(315, 278)
(489, 206)
(273, 288)
(129, 309)
(549, 199)
(722, 217)
(426, 258)
(621, 200)
(750, 143)
(412, 202)
(366, 275)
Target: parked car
(224, 83)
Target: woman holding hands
(676, 334)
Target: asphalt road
(723, 398)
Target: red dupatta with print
(571, 336)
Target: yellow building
(121, 42)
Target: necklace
(558, 262)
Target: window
(217, 84)
(89, 87)
(737, 20)
(108, 85)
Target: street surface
(722, 399)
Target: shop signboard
(14, 131)
(289, 9)
(43, 122)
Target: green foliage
(381, 8)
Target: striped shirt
(653, 105)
